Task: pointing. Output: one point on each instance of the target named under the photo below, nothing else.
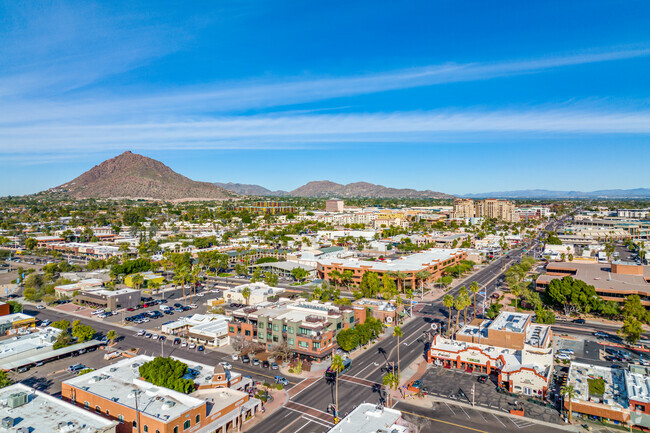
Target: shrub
(167, 372)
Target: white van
(164, 308)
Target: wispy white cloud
(320, 130)
(257, 94)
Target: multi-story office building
(463, 208)
(334, 205)
(435, 261)
(308, 328)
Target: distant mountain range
(249, 189)
(549, 194)
(135, 176)
(328, 189)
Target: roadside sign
(481, 293)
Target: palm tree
(459, 303)
(337, 366)
(448, 301)
(397, 332)
(410, 295)
(181, 274)
(111, 335)
(422, 276)
(137, 280)
(401, 278)
(390, 381)
(462, 293)
(568, 391)
(474, 288)
(246, 293)
(335, 277)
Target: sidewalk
(280, 398)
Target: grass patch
(226, 274)
(596, 387)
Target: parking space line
(461, 408)
(449, 407)
(500, 422)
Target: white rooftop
(370, 418)
(615, 394)
(638, 386)
(510, 321)
(46, 414)
(412, 263)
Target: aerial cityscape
(324, 217)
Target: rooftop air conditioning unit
(7, 422)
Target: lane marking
(310, 417)
(500, 422)
(445, 422)
(449, 407)
(461, 408)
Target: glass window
(120, 418)
(290, 330)
(135, 424)
(290, 341)
(146, 428)
(276, 327)
(248, 333)
(275, 339)
(303, 344)
(231, 329)
(186, 424)
(198, 418)
(261, 325)
(86, 404)
(176, 429)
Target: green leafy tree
(62, 340)
(299, 274)
(83, 332)
(30, 243)
(61, 324)
(370, 285)
(167, 372)
(545, 316)
(631, 330)
(271, 279)
(390, 381)
(4, 379)
(15, 306)
(634, 308)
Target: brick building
(308, 328)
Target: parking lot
(457, 385)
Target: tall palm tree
(182, 273)
(422, 276)
(474, 288)
(397, 332)
(390, 381)
(462, 293)
(448, 301)
(246, 293)
(410, 295)
(337, 367)
(335, 277)
(568, 391)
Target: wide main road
(307, 408)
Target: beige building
(334, 205)
(488, 208)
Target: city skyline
(422, 96)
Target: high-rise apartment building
(488, 208)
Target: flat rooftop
(46, 414)
(412, 263)
(638, 386)
(615, 385)
(120, 382)
(510, 321)
(600, 276)
(370, 418)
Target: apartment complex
(307, 328)
(118, 393)
(487, 208)
(267, 207)
(435, 261)
(511, 347)
(612, 281)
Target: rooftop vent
(169, 404)
(17, 399)
(7, 422)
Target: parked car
(266, 364)
(275, 366)
(46, 323)
(184, 344)
(580, 321)
(40, 307)
(225, 365)
(256, 361)
(177, 340)
(200, 348)
(245, 359)
(235, 357)
(567, 351)
(76, 367)
(600, 334)
(562, 356)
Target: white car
(225, 365)
(141, 332)
(192, 346)
(567, 351)
(97, 312)
(184, 344)
(154, 337)
(194, 306)
(235, 357)
(40, 307)
(562, 356)
(601, 334)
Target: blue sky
(454, 96)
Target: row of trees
(351, 338)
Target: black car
(483, 378)
(245, 359)
(580, 321)
(178, 305)
(266, 364)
